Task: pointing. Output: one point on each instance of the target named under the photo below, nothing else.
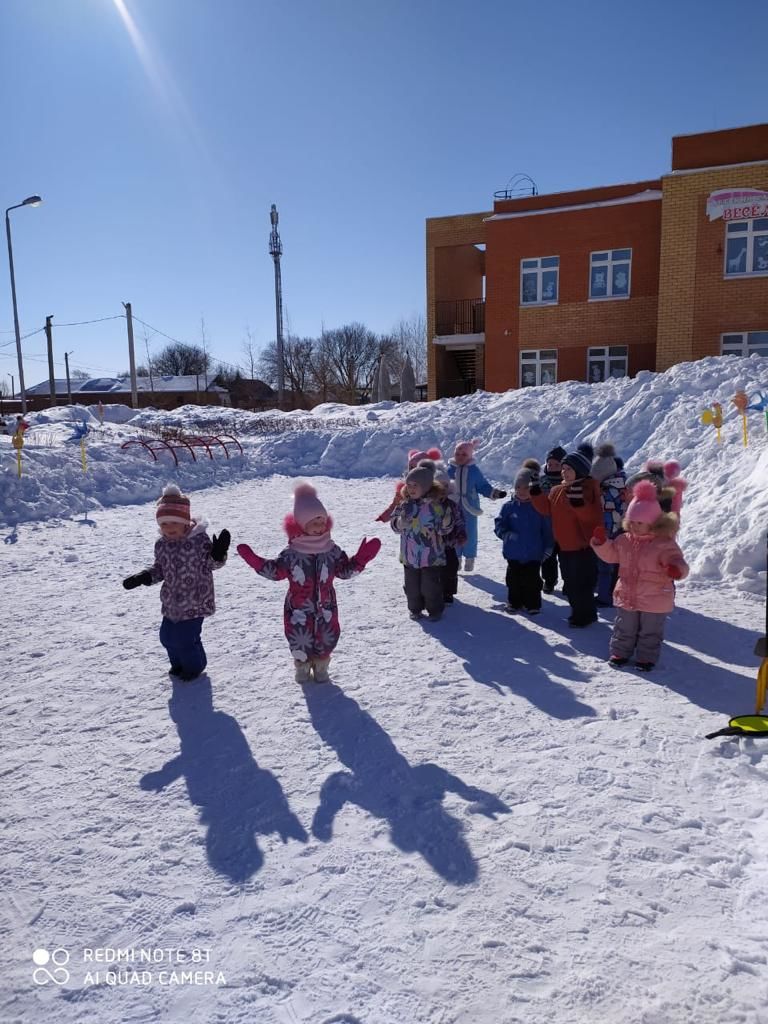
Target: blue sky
(159, 156)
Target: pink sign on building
(737, 204)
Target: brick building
(606, 281)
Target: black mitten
(496, 494)
(220, 546)
(138, 579)
(575, 493)
(535, 489)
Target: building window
(610, 361)
(609, 274)
(538, 366)
(747, 344)
(538, 280)
(746, 247)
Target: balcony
(464, 316)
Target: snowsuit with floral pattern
(310, 613)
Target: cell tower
(276, 251)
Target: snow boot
(303, 671)
(469, 565)
(616, 662)
(320, 666)
(643, 666)
(414, 616)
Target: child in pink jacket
(649, 562)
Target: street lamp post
(29, 201)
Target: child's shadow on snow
(382, 782)
(501, 652)
(237, 799)
(711, 636)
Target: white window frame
(750, 234)
(745, 342)
(607, 354)
(536, 358)
(539, 270)
(609, 264)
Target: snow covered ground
(477, 821)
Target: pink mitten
(255, 561)
(674, 572)
(368, 549)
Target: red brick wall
(574, 324)
(713, 149)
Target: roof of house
(103, 385)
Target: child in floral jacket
(185, 558)
(424, 520)
(310, 563)
(649, 562)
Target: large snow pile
(651, 415)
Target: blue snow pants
(184, 646)
(469, 550)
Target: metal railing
(464, 316)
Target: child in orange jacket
(576, 510)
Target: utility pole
(131, 356)
(69, 386)
(276, 251)
(51, 378)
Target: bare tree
(179, 359)
(410, 338)
(79, 375)
(297, 365)
(352, 352)
(251, 353)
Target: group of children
(613, 540)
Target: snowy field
(476, 822)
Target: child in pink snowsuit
(649, 562)
(310, 563)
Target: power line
(178, 341)
(98, 320)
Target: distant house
(252, 394)
(162, 392)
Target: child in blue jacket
(470, 483)
(528, 540)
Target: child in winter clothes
(310, 563)
(669, 484)
(470, 483)
(185, 558)
(612, 480)
(551, 477)
(458, 536)
(527, 537)
(649, 562)
(423, 519)
(414, 458)
(576, 511)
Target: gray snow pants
(641, 632)
(424, 589)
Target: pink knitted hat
(644, 507)
(307, 505)
(173, 506)
(415, 455)
(465, 448)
